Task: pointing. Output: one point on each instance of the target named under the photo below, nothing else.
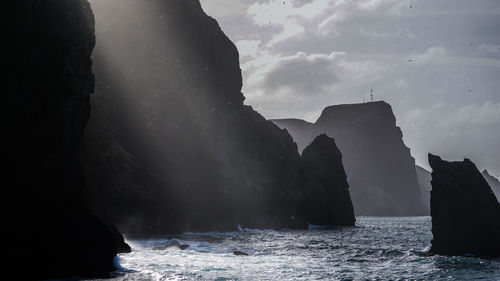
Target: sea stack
(330, 202)
(465, 213)
(380, 169)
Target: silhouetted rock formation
(465, 213)
(171, 144)
(172, 244)
(239, 253)
(47, 104)
(424, 180)
(329, 201)
(493, 182)
(380, 170)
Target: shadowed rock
(329, 202)
(48, 107)
(240, 253)
(465, 213)
(171, 244)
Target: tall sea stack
(380, 169)
(465, 213)
(47, 105)
(171, 144)
(330, 202)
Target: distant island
(380, 169)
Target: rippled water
(376, 249)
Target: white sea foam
(380, 248)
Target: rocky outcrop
(465, 213)
(330, 202)
(424, 180)
(379, 167)
(171, 244)
(493, 182)
(171, 144)
(47, 105)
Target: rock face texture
(171, 144)
(380, 170)
(424, 180)
(47, 105)
(493, 182)
(330, 202)
(465, 213)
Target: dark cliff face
(465, 213)
(48, 105)
(171, 144)
(330, 202)
(493, 182)
(379, 167)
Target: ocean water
(376, 249)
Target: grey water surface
(378, 248)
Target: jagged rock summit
(465, 213)
(380, 169)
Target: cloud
(489, 48)
(302, 75)
(248, 49)
(285, 14)
(433, 54)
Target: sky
(437, 62)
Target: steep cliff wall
(48, 107)
(171, 143)
(379, 167)
(465, 213)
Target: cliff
(47, 105)
(493, 182)
(171, 144)
(330, 202)
(380, 170)
(465, 213)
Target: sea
(377, 248)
